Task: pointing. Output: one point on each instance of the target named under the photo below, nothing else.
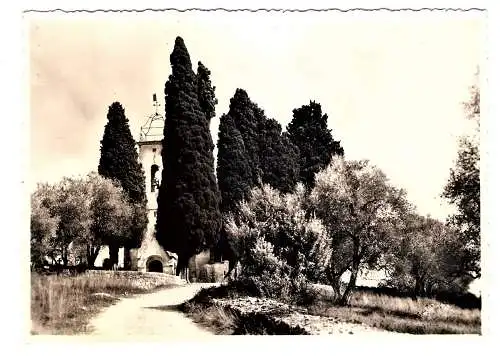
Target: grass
(371, 308)
(64, 305)
(404, 315)
(218, 319)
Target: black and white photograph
(272, 172)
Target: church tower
(151, 257)
(149, 144)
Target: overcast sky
(392, 84)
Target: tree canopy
(206, 92)
(425, 259)
(78, 214)
(309, 131)
(258, 144)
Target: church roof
(152, 130)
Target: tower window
(154, 150)
(155, 183)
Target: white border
(13, 63)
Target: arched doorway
(155, 266)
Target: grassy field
(404, 315)
(64, 305)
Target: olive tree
(426, 258)
(78, 212)
(362, 215)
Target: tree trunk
(64, 257)
(127, 260)
(346, 298)
(182, 269)
(337, 294)
(356, 260)
(417, 288)
(113, 254)
(92, 253)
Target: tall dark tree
(309, 131)
(188, 219)
(120, 161)
(251, 150)
(279, 157)
(206, 92)
(268, 153)
(248, 118)
(233, 167)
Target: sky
(392, 84)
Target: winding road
(150, 315)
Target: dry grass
(64, 305)
(423, 316)
(217, 318)
(397, 314)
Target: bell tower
(150, 143)
(151, 257)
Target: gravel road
(150, 315)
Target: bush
(280, 248)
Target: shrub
(280, 248)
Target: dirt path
(150, 315)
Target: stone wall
(141, 280)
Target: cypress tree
(120, 161)
(248, 140)
(279, 157)
(188, 219)
(248, 119)
(233, 167)
(206, 92)
(309, 131)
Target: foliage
(43, 227)
(309, 131)
(188, 218)
(279, 157)
(278, 246)
(119, 158)
(426, 259)
(362, 215)
(112, 217)
(120, 161)
(206, 92)
(252, 150)
(67, 204)
(233, 167)
(78, 212)
(463, 190)
(247, 116)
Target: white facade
(150, 256)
